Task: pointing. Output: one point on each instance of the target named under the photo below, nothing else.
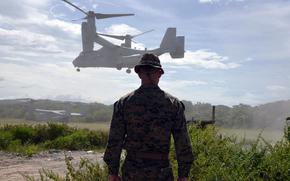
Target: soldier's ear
(139, 75)
(159, 73)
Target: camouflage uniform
(142, 124)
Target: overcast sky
(237, 51)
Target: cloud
(36, 38)
(217, 1)
(183, 83)
(25, 39)
(123, 29)
(230, 29)
(47, 80)
(71, 28)
(276, 88)
(201, 58)
(208, 1)
(149, 10)
(278, 92)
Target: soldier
(142, 124)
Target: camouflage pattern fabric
(146, 170)
(142, 123)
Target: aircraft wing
(103, 42)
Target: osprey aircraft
(115, 56)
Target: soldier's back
(149, 115)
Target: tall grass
(217, 158)
(86, 171)
(99, 126)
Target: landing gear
(128, 71)
(78, 69)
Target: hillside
(25, 109)
(263, 116)
(270, 115)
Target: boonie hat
(151, 60)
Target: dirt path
(12, 165)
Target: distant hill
(270, 115)
(263, 116)
(25, 109)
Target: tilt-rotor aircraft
(115, 56)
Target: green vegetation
(217, 158)
(287, 129)
(29, 139)
(271, 115)
(86, 171)
(226, 158)
(238, 116)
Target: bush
(75, 141)
(217, 157)
(51, 131)
(79, 140)
(28, 139)
(5, 139)
(220, 158)
(25, 133)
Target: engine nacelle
(87, 37)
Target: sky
(236, 51)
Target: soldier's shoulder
(126, 97)
(174, 100)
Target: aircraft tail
(172, 44)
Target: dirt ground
(11, 165)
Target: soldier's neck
(149, 84)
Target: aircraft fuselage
(117, 57)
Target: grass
(269, 135)
(217, 158)
(102, 126)
(29, 139)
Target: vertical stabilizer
(172, 44)
(168, 41)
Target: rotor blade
(113, 36)
(75, 7)
(134, 41)
(103, 16)
(142, 33)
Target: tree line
(239, 116)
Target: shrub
(75, 141)
(27, 139)
(217, 157)
(51, 131)
(79, 140)
(25, 133)
(5, 139)
(220, 158)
